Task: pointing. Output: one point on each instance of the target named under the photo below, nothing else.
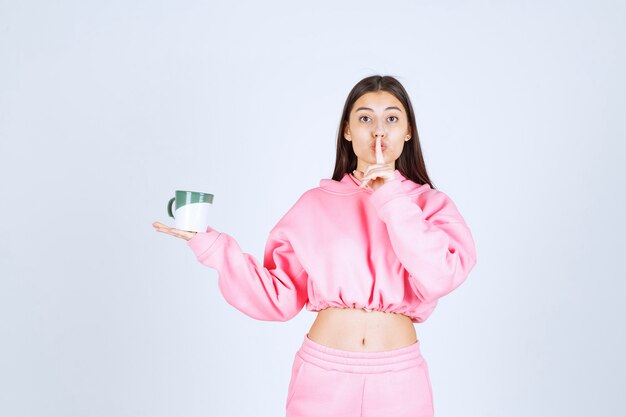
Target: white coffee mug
(192, 210)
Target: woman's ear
(346, 132)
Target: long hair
(411, 162)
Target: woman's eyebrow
(388, 108)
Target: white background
(107, 107)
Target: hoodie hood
(349, 184)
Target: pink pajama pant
(328, 382)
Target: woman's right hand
(183, 234)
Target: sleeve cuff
(386, 192)
(202, 242)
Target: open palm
(183, 234)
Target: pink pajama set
(397, 249)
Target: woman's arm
(274, 291)
(435, 245)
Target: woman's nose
(379, 130)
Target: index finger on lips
(379, 151)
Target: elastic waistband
(360, 362)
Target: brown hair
(411, 162)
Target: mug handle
(169, 207)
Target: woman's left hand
(376, 175)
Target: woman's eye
(393, 117)
(363, 117)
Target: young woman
(371, 250)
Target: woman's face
(372, 115)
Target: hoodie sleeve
(434, 245)
(273, 291)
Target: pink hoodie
(397, 249)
